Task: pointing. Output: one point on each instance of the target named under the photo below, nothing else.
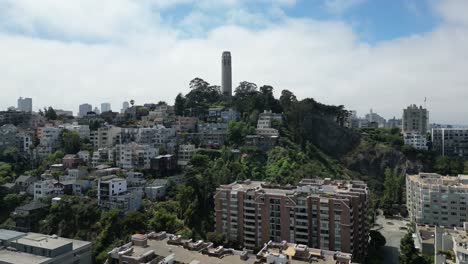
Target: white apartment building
(105, 107)
(113, 194)
(156, 136)
(455, 240)
(25, 140)
(47, 188)
(264, 124)
(105, 137)
(25, 104)
(136, 156)
(433, 199)
(102, 156)
(185, 153)
(415, 140)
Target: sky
(362, 54)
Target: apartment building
(185, 153)
(433, 199)
(48, 188)
(136, 156)
(82, 130)
(105, 137)
(450, 141)
(415, 119)
(415, 139)
(19, 247)
(264, 124)
(326, 214)
(113, 194)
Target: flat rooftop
(161, 248)
(15, 257)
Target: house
(185, 154)
(136, 156)
(157, 189)
(113, 194)
(24, 181)
(28, 215)
(71, 161)
(84, 156)
(48, 188)
(164, 165)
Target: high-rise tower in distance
(226, 73)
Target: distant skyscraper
(84, 109)
(25, 104)
(125, 106)
(226, 73)
(96, 110)
(105, 107)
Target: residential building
(415, 119)
(49, 136)
(167, 248)
(102, 156)
(394, 123)
(71, 161)
(425, 239)
(226, 73)
(135, 179)
(48, 188)
(136, 156)
(264, 124)
(433, 199)
(263, 142)
(28, 216)
(185, 153)
(164, 165)
(415, 139)
(105, 107)
(84, 109)
(84, 156)
(25, 104)
(212, 134)
(106, 136)
(451, 142)
(185, 123)
(16, 118)
(229, 115)
(156, 189)
(82, 130)
(113, 194)
(372, 117)
(326, 214)
(156, 136)
(97, 111)
(454, 240)
(24, 140)
(18, 247)
(24, 182)
(7, 137)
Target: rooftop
(460, 181)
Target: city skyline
(343, 52)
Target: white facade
(50, 136)
(113, 194)
(415, 119)
(438, 200)
(47, 188)
(82, 130)
(136, 156)
(185, 154)
(105, 137)
(415, 140)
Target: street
(391, 229)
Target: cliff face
(371, 160)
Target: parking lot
(393, 230)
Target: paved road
(390, 229)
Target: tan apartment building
(433, 199)
(320, 213)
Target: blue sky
(380, 54)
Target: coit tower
(226, 73)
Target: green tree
(134, 222)
(179, 105)
(408, 252)
(237, 131)
(70, 141)
(50, 113)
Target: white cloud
(320, 59)
(452, 11)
